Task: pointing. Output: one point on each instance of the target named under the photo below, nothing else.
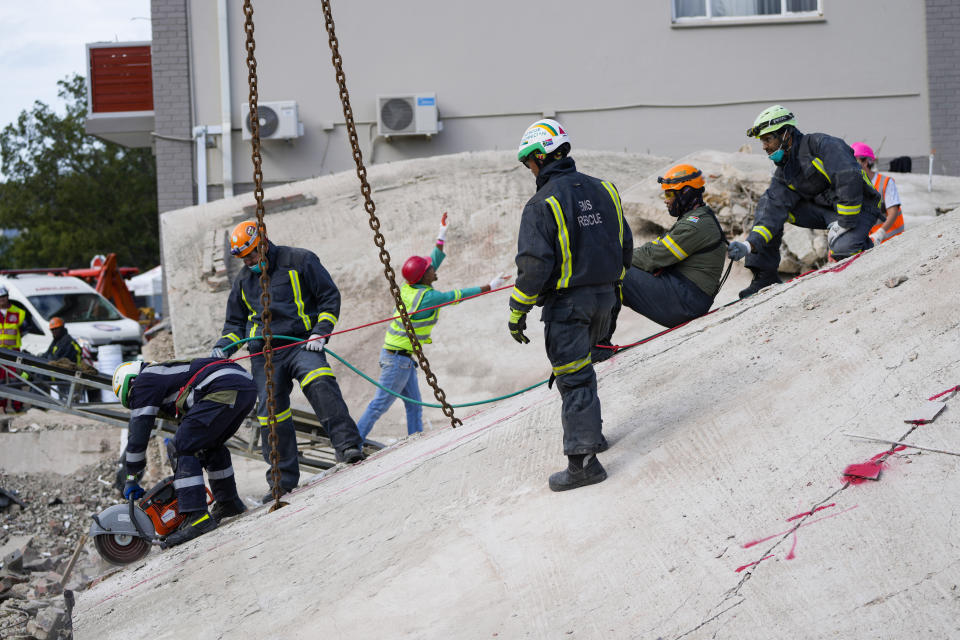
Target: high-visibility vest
(396, 337)
(10, 322)
(880, 183)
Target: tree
(69, 196)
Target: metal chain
(378, 238)
(262, 256)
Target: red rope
(333, 333)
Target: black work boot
(760, 280)
(268, 497)
(353, 455)
(195, 525)
(580, 472)
(228, 509)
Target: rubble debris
(896, 281)
(45, 551)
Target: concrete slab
(725, 514)
(56, 451)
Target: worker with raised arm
(892, 224)
(304, 304)
(675, 277)
(398, 368)
(573, 247)
(818, 184)
(209, 398)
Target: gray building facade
(665, 77)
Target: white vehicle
(90, 318)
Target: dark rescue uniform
(574, 245)
(210, 412)
(819, 183)
(304, 301)
(676, 276)
(64, 347)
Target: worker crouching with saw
(210, 398)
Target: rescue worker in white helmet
(209, 398)
(304, 304)
(398, 365)
(574, 246)
(818, 184)
(675, 277)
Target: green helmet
(771, 119)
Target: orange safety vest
(10, 327)
(880, 183)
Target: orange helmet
(56, 322)
(414, 268)
(244, 238)
(679, 176)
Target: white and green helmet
(543, 137)
(771, 119)
(123, 378)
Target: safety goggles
(669, 194)
(754, 131)
(679, 179)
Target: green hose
(390, 391)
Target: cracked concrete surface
(727, 453)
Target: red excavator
(106, 277)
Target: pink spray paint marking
(739, 569)
(870, 470)
(792, 554)
(810, 513)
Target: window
(75, 307)
(710, 9)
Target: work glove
(739, 249)
(878, 236)
(499, 281)
(217, 352)
(834, 231)
(315, 344)
(442, 234)
(517, 325)
(132, 488)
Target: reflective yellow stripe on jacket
(612, 190)
(298, 298)
(563, 236)
(250, 316)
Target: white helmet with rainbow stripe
(542, 138)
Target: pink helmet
(863, 150)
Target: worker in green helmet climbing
(818, 184)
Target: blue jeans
(397, 373)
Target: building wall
(171, 104)
(943, 69)
(619, 75)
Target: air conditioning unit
(407, 114)
(278, 120)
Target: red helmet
(414, 268)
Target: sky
(43, 41)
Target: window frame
(709, 20)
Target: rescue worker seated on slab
(304, 304)
(675, 277)
(63, 346)
(212, 398)
(398, 368)
(573, 247)
(818, 184)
